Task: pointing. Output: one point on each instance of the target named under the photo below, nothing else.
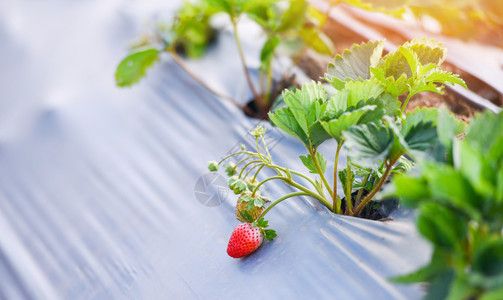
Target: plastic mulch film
(104, 192)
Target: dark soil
(375, 210)
(278, 87)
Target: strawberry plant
(290, 27)
(360, 111)
(460, 201)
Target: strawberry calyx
(249, 208)
(269, 234)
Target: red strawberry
(247, 237)
(244, 240)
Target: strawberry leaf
(267, 53)
(317, 40)
(309, 162)
(262, 223)
(337, 126)
(346, 181)
(293, 17)
(354, 64)
(440, 225)
(270, 234)
(239, 187)
(369, 144)
(246, 216)
(132, 68)
(301, 116)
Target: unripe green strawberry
(242, 206)
(249, 209)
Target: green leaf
(476, 168)
(245, 216)
(239, 187)
(488, 258)
(317, 40)
(346, 181)
(420, 139)
(427, 50)
(419, 115)
(437, 75)
(420, 132)
(395, 87)
(440, 285)
(220, 5)
(369, 144)
(132, 68)
(284, 119)
(411, 190)
(262, 223)
(305, 104)
(343, 122)
(410, 56)
(448, 185)
(437, 265)
(448, 127)
(363, 90)
(439, 224)
(311, 166)
(354, 64)
(316, 16)
(301, 116)
(293, 17)
(394, 65)
(460, 288)
(496, 294)
(267, 53)
(482, 133)
(270, 234)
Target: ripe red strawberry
(247, 237)
(244, 240)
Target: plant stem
(360, 192)
(268, 91)
(243, 160)
(266, 149)
(404, 105)
(264, 181)
(320, 198)
(251, 169)
(182, 64)
(236, 153)
(258, 99)
(258, 171)
(245, 166)
(320, 171)
(372, 193)
(349, 203)
(281, 200)
(290, 182)
(336, 200)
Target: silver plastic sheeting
(104, 192)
